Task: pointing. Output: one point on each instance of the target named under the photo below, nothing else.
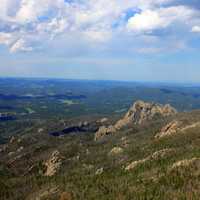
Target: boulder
(116, 151)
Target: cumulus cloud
(149, 20)
(25, 24)
(146, 21)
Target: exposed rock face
(155, 156)
(103, 130)
(141, 112)
(162, 154)
(53, 164)
(175, 127)
(169, 129)
(135, 164)
(137, 114)
(187, 164)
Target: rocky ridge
(155, 156)
(139, 113)
(175, 127)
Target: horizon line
(103, 80)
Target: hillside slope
(156, 159)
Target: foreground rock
(53, 164)
(139, 113)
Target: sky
(138, 40)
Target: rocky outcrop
(139, 113)
(135, 164)
(161, 154)
(169, 129)
(191, 166)
(175, 127)
(185, 163)
(103, 130)
(116, 151)
(53, 164)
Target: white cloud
(6, 38)
(149, 20)
(98, 36)
(146, 21)
(20, 45)
(93, 20)
(53, 27)
(196, 29)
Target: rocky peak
(142, 111)
(138, 113)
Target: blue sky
(139, 40)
